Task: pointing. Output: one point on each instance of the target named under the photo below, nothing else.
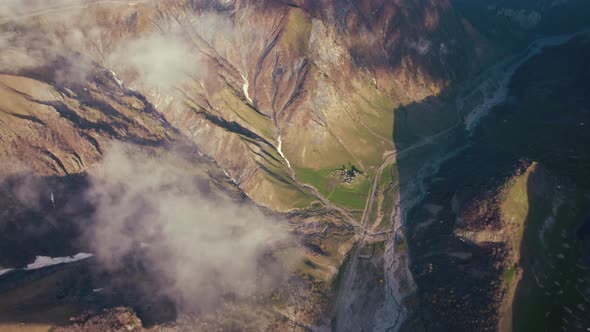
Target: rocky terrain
(491, 237)
(346, 143)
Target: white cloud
(158, 60)
(199, 246)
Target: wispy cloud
(422, 46)
(158, 60)
(200, 246)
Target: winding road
(345, 299)
(493, 83)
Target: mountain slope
(331, 115)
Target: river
(540, 107)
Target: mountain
(276, 164)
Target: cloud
(18, 8)
(16, 55)
(163, 58)
(158, 60)
(24, 47)
(422, 46)
(199, 246)
(55, 35)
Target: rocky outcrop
(118, 319)
(55, 130)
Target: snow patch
(232, 179)
(117, 79)
(245, 87)
(2, 271)
(280, 151)
(44, 261)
